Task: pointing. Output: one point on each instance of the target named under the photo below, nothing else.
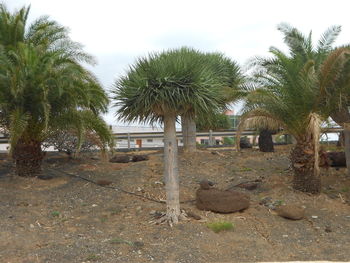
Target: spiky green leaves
(180, 80)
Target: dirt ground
(67, 219)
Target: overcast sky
(116, 32)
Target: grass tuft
(220, 226)
(55, 213)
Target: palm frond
(18, 125)
(328, 38)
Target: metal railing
(150, 135)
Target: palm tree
(43, 86)
(228, 73)
(332, 65)
(159, 88)
(286, 94)
(334, 83)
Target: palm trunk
(347, 145)
(189, 133)
(341, 139)
(342, 118)
(265, 141)
(184, 130)
(28, 157)
(171, 172)
(306, 176)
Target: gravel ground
(67, 219)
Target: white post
(128, 141)
(210, 138)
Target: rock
(293, 212)
(244, 143)
(336, 159)
(220, 201)
(103, 182)
(45, 177)
(328, 229)
(266, 201)
(121, 158)
(248, 186)
(138, 244)
(139, 158)
(193, 215)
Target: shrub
(228, 140)
(68, 142)
(220, 226)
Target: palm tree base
(28, 157)
(305, 178)
(265, 141)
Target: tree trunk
(171, 172)
(28, 157)
(265, 141)
(189, 133)
(341, 139)
(347, 145)
(342, 118)
(184, 130)
(306, 177)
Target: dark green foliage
(43, 83)
(229, 140)
(180, 80)
(216, 121)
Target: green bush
(220, 226)
(229, 141)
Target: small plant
(229, 141)
(120, 241)
(278, 202)
(345, 189)
(55, 213)
(220, 226)
(246, 169)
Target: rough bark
(188, 133)
(341, 139)
(28, 157)
(184, 130)
(305, 178)
(342, 118)
(265, 141)
(347, 145)
(171, 172)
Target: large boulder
(220, 201)
(292, 212)
(336, 159)
(244, 143)
(120, 158)
(139, 158)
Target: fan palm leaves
(42, 81)
(289, 91)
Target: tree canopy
(43, 81)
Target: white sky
(116, 32)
